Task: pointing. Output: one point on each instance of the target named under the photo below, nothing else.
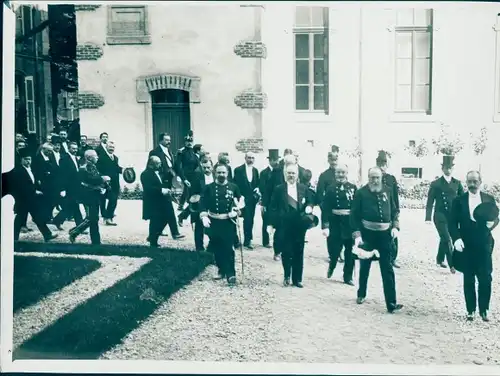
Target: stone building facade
(252, 77)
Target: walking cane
(237, 223)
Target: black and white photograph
(265, 187)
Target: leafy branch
(448, 142)
(479, 142)
(418, 150)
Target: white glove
(39, 193)
(206, 222)
(102, 191)
(459, 245)
(106, 178)
(308, 210)
(326, 232)
(358, 241)
(270, 230)
(233, 214)
(165, 191)
(187, 183)
(490, 224)
(178, 178)
(63, 194)
(394, 233)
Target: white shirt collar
(45, 157)
(475, 195)
(165, 149)
(447, 178)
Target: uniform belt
(218, 216)
(341, 211)
(376, 226)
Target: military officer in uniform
(375, 223)
(442, 192)
(390, 183)
(220, 205)
(187, 162)
(335, 211)
(327, 177)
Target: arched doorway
(171, 115)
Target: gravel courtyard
(259, 320)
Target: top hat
(486, 212)
(309, 221)
(382, 157)
(189, 137)
(274, 154)
(448, 161)
(55, 140)
(129, 175)
(24, 152)
(335, 148)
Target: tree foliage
(448, 142)
(418, 150)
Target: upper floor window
(411, 172)
(311, 58)
(24, 19)
(413, 60)
(128, 24)
(30, 104)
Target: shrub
(131, 194)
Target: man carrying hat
(442, 192)
(473, 216)
(390, 183)
(266, 190)
(290, 213)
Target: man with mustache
(220, 205)
(443, 191)
(327, 177)
(375, 223)
(471, 235)
(335, 212)
(187, 162)
(290, 201)
(266, 188)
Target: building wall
(196, 41)
(463, 88)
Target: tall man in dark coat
(335, 212)
(83, 147)
(28, 197)
(443, 191)
(156, 201)
(187, 162)
(63, 137)
(21, 144)
(327, 177)
(69, 170)
(220, 206)
(289, 203)
(45, 170)
(101, 148)
(109, 165)
(390, 183)
(246, 177)
(375, 223)
(266, 188)
(471, 235)
(93, 186)
(168, 171)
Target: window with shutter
(30, 104)
(128, 25)
(311, 58)
(413, 60)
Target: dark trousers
(90, 222)
(184, 214)
(19, 222)
(291, 244)
(248, 220)
(108, 203)
(199, 232)
(171, 219)
(445, 248)
(22, 212)
(382, 241)
(483, 296)
(70, 208)
(335, 244)
(156, 225)
(265, 234)
(222, 245)
(395, 249)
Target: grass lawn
(104, 320)
(37, 277)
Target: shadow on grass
(101, 323)
(37, 277)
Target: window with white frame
(411, 172)
(311, 58)
(30, 104)
(128, 24)
(24, 19)
(413, 61)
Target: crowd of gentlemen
(63, 174)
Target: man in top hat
(187, 162)
(220, 206)
(390, 183)
(375, 222)
(246, 177)
(45, 170)
(335, 212)
(290, 211)
(266, 189)
(327, 177)
(442, 192)
(28, 197)
(473, 216)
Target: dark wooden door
(172, 119)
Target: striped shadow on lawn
(101, 323)
(37, 277)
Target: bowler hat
(335, 148)
(129, 175)
(309, 221)
(55, 140)
(448, 161)
(24, 152)
(486, 212)
(274, 154)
